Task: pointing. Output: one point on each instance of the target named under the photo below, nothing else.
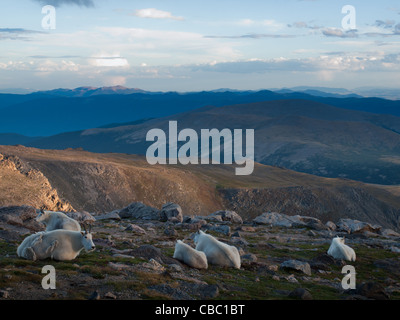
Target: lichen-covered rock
(171, 212)
(138, 210)
(297, 265)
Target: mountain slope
(104, 182)
(301, 135)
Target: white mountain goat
(217, 252)
(191, 257)
(339, 250)
(57, 221)
(61, 245)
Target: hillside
(301, 135)
(86, 107)
(104, 182)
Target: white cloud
(108, 60)
(153, 13)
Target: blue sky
(199, 45)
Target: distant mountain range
(53, 112)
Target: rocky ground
(282, 257)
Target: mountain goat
(217, 252)
(339, 250)
(61, 245)
(191, 257)
(58, 221)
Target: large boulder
(138, 210)
(355, 226)
(297, 265)
(16, 221)
(282, 220)
(230, 216)
(171, 212)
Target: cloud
(16, 33)
(59, 3)
(109, 60)
(152, 13)
(303, 24)
(253, 36)
(388, 24)
(333, 32)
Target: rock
(249, 257)
(395, 249)
(246, 229)
(236, 235)
(300, 293)
(273, 267)
(18, 216)
(148, 252)
(276, 278)
(324, 262)
(355, 226)
(82, 217)
(110, 295)
(239, 242)
(4, 294)
(209, 292)
(273, 219)
(230, 216)
(135, 228)
(331, 226)
(94, 296)
(215, 218)
(138, 210)
(118, 266)
(282, 220)
(291, 279)
(113, 215)
(389, 233)
(171, 212)
(224, 229)
(297, 265)
(153, 265)
(372, 290)
(171, 232)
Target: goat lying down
(217, 252)
(61, 245)
(339, 250)
(191, 257)
(57, 221)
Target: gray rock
(171, 232)
(389, 233)
(4, 294)
(283, 220)
(135, 228)
(94, 296)
(230, 216)
(138, 210)
(110, 295)
(171, 212)
(300, 293)
(372, 290)
(249, 257)
(355, 226)
(109, 216)
(224, 229)
(209, 291)
(331, 225)
(297, 265)
(82, 217)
